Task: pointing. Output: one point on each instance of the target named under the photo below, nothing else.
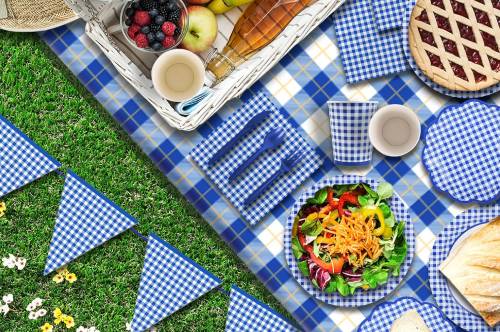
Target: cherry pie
(456, 42)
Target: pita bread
(410, 321)
(473, 267)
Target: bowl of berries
(154, 25)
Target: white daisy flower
(128, 326)
(92, 329)
(4, 309)
(41, 313)
(82, 329)
(20, 263)
(9, 262)
(33, 315)
(37, 302)
(8, 298)
(31, 307)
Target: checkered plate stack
(384, 314)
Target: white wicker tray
(136, 69)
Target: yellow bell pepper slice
(324, 240)
(370, 211)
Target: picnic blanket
(300, 85)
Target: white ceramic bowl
(178, 75)
(394, 130)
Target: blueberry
(153, 12)
(156, 46)
(128, 22)
(145, 29)
(159, 19)
(151, 37)
(129, 12)
(135, 5)
(159, 36)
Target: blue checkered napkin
(470, 219)
(85, 220)
(366, 52)
(462, 153)
(246, 314)
(413, 65)
(359, 298)
(389, 13)
(349, 128)
(169, 281)
(21, 160)
(383, 315)
(264, 167)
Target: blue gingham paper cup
(349, 122)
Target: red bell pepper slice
(334, 268)
(347, 197)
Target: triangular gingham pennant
(169, 281)
(86, 219)
(21, 160)
(247, 314)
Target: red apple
(202, 29)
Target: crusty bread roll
(410, 321)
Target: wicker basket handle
(87, 9)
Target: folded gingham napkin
(366, 52)
(262, 168)
(389, 13)
(349, 128)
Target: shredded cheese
(352, 237)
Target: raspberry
(142, 18)
(141, 40)
(168, 42)
(133, 30)
(168, 28)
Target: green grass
(42, 98)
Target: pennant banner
(21, 160)
(247, 314)
(169, 281)
(85, 220)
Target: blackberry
(168, 8)
(174, 15)
(148, 4)
(154, 28)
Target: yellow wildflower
(46, 327)
(58, 315)
(58, 278)
(69, 321)
(71, 277)
(3, 208)
(63, 271)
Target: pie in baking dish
(473, 267)
(456, 42)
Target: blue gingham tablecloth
(301, 84)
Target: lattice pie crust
(456, 42)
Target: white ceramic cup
(394, 130)
(178, 75)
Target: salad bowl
(321, 234)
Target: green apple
(202, 29)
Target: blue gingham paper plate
(406, 47)
(454, 306)
(462, 154)
(383, 315)
(365, 51)
(360, 297)
(349, 122)
(267, 164)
